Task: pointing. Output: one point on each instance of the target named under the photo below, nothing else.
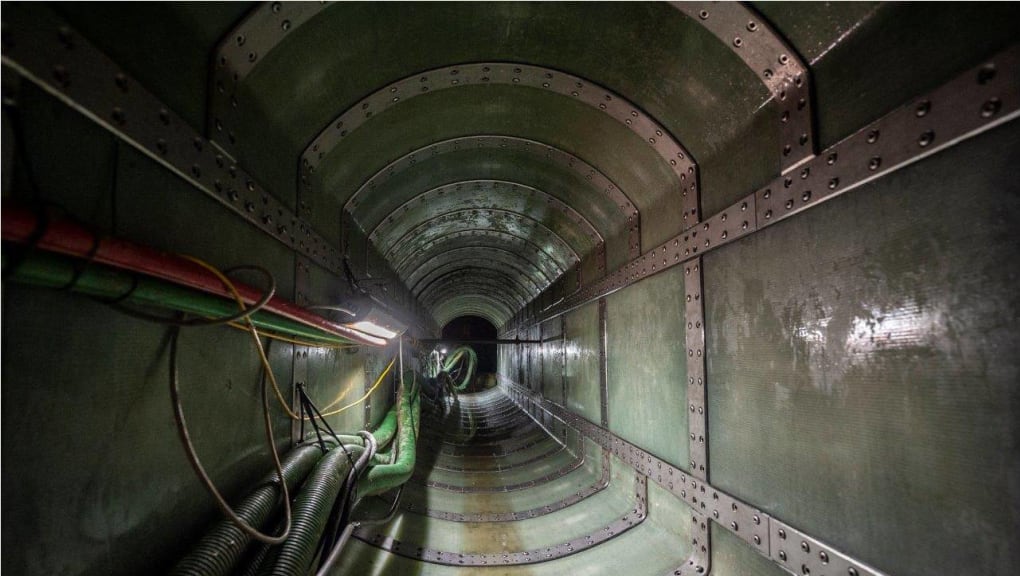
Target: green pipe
(383, 477)
(53, 271)
(455, 357)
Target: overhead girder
(544, 239)
(482, 239)
(495, 255)
(489, 195)
(486, 262)
(502, 283)
(497, 157)
(710, 101)
(476, 304)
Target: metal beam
(557, 82)
(793, 549)
(981, 98)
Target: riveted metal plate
(981, 98)
(773, 61)
(493, 194)
(484, 222)
(632, 518)
(694, 315)
(749, 523)
(595, 178)
(699, 562)
(416, 270)
(801, 554)
(241, 50)
(43, 49)
(505, 73)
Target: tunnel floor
(497, 492)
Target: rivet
(873, 136)
(789, 204)
(805, 196)
(824, 557)
(756, 519)
(768, 214)
(782, 556)
(874, 163)
(767, 194)
(782, 533)
(922, 109)
(733, 525)
(986, 74)
(833, 183)
(805, 546)
(832, 159)
(991, 108)
(757, 539)
(926, 138)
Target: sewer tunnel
(511, 288)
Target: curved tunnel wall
(637, 187)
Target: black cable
(196, 464)
(81, 265)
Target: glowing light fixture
(378, 323)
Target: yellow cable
(262, 352)
(254, 332)
(378, 381)
(281, 338)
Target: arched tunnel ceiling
(550, 97)
(493, 132)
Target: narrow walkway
(495, 491)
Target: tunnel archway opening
(471, 327)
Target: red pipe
(66, 237)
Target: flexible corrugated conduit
(219, 551)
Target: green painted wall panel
(582, 370)
(647, 365)
(553, 380)
(731, 556)
(862, 365)
(99, 473)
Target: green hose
(53, 271)
(457, 356)
(383, 477)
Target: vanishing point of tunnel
(510, 288)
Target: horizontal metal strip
(750, 524)
(619, 526)
(511, 74)
(485, 237)
(500, 468)
(494, 256)
(43, 49)
(600, 484)
(985, 96)
(567, 468)
(592, 175)
(468, 217)
(484, 194)
(461, 278)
